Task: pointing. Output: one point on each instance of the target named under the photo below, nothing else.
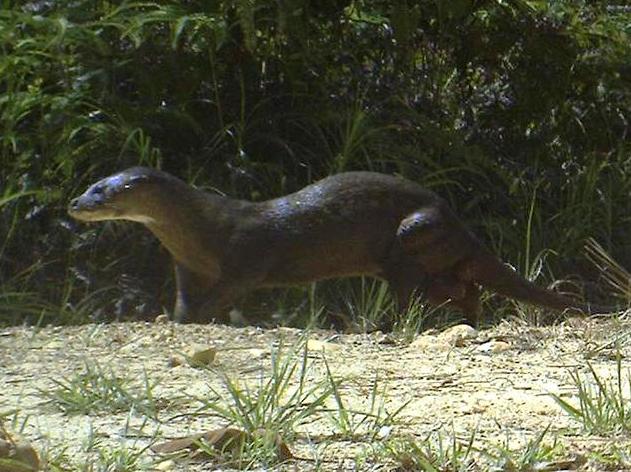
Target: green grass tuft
(353, 424)
(535, 455)
(99, 390)
(434, 453)
(604, 406)
(279, 402)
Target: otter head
(128, 195)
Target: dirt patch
(495, 384)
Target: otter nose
(74, 204)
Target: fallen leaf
(231, 440)
(17, 454)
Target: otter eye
(98, 190)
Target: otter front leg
(199, 299)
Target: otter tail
(491, 273)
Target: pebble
(458, 335)
(494, 347)
(316, 345)
(165, 465)
(200, 355)
(161, 319)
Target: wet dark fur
(355, 223)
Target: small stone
(165, 465)
(458, 335)
(161, 319)
(175, 361)
(494, 347)
(199, 355)
(164, 335)
(256, 353)
(315, 345)
(56, 345)
(424, 342)
(384, 432)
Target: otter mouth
(92, 212)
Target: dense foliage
(515, 110)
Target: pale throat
(186, 247)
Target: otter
(348, 224)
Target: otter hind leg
(464, 296)
(435, 239)
(420, 230)
(439, 244)
(437, 290)
(470, 305)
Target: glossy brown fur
(355, 223)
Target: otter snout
(86, 206)
(74, 205)
(75, 210)
(100, 203)
(80, 204)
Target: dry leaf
(230, 440)
(17, 454)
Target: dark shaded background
(515, 111)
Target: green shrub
(488, 103)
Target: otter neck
(191, 225)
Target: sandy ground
(495, 384)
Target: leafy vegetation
(283, 398)
(352, 424)
(286, 398)
(94, 456)
(434, 453)
(536, 454)
(516, 111)
(604, 406)
(97, 390)
(444, 451)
